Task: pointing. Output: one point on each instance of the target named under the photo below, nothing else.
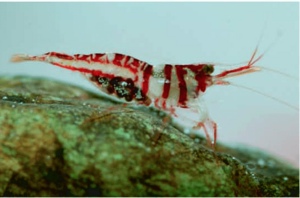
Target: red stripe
(131, 66)
(136, 78)
(225, 73)
(60, 55)
(143, 65)
(83, 57)
(135, 62)
(167, 86)
(146, 76)
(164, 105)
(156, 103)
(88, 71)
(180, 72)
(201, 79)
(97, 58)
(127, 58)
(117, 60)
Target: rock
(60, 140)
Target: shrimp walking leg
(202, 125)
(213, 125)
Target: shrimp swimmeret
(171, 88)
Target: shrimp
(175, 89)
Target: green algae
(67, 143)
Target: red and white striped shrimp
(171, 88)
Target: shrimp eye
(208, 69)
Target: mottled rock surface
(60, 140)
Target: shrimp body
(171, 88)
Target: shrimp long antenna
(278, 72)
(266, 95)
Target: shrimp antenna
(266, 95)
(278, 72)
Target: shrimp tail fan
(20, 58)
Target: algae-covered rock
(60, 140)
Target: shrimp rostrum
(170, 88)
